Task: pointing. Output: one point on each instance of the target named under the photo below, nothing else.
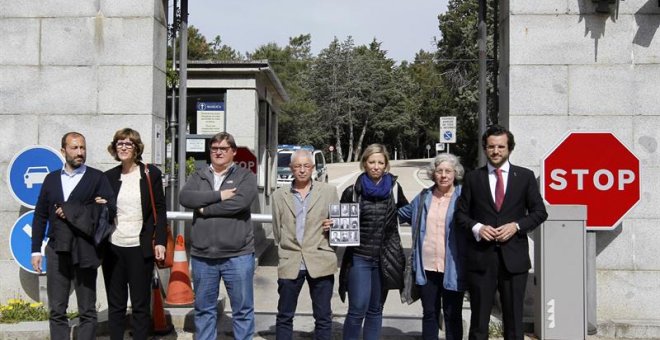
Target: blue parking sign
(27, 171)
(20, 243)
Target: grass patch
(17, 310)
(495, 330)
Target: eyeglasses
(219, 149)
(127, 145)
(444, 171)
(300, 166)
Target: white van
(284, 175)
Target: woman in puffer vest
(369, 270)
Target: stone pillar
(566, 67)
(86, 66)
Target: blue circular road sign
(20, 243)
(27, 171)
(447, 135)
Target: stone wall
(90, 66)
(569, 68)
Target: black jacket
(150, 231)
(77, 235)
(522, 204)
(379, 236)
(61, 236)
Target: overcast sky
(403, 27)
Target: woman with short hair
(437, 251)
(128, 263)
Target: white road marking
(423, 184)
(28, 230)
(339, 181)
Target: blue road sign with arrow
(20, 243)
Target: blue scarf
(372, 191)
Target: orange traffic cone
(158, 318)
(179, 290)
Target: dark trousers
(320, 291)
(60, 271)
(434, 297)
(482, 286)
(126, 269)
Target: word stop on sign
(602, 179)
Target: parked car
(284, 154)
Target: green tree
(198, 47)
(221, 51)
(457, 58)
(325, 85)
(298, 121)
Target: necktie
(499, 189)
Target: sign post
(596, 170)
(448, 130)
(210, 117)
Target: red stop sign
(246, 159)
(593, 169)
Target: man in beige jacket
(300, 225)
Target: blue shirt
(70, 180)
(300, 206)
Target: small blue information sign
(20, 243)
(447, 136)
(27, 171)
(210, 106)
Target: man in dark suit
(500, 203)
(71, 255)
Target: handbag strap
(151, 192)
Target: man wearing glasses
(300, 225)
(222, 238)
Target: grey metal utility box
(560, 274)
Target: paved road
(411, 175)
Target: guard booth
(560, 303)
(241, 98)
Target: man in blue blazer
(71, 255)
(500, 203)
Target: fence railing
(188, 215)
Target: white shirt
(129, 211)
(492, 182)
(71, 180)
(218, 178)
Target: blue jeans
(434, 297)
(364, 300)
(238, 274)
(320, 291)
